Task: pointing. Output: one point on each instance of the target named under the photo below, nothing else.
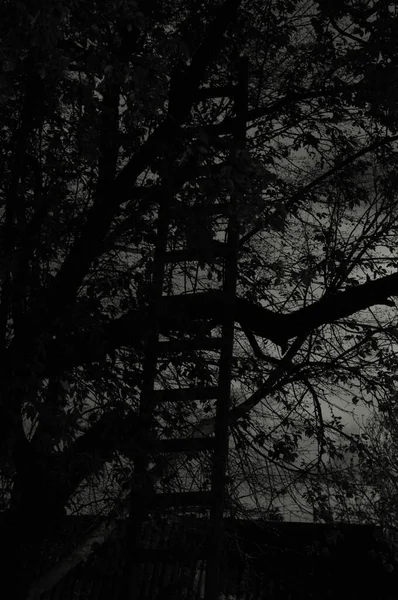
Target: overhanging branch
(279, 328)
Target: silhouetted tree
(100, 114)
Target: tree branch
(279, 328)
(339, 164)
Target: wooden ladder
(224, 254)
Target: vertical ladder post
(141, 488)
(212, 585)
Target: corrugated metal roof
(271, 561)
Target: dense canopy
(105, 113)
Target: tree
(95, 127)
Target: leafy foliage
(100, 122)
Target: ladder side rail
(141, 488)
(212, 582)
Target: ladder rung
(185, 394)
(216, 92)
(220, 208)
(207, 254)
(168, 302)
(182, 499)
(197, 343)
(182, 445)
(223, 208)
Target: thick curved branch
(331, 309)
(177, 311)
(276, 327)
